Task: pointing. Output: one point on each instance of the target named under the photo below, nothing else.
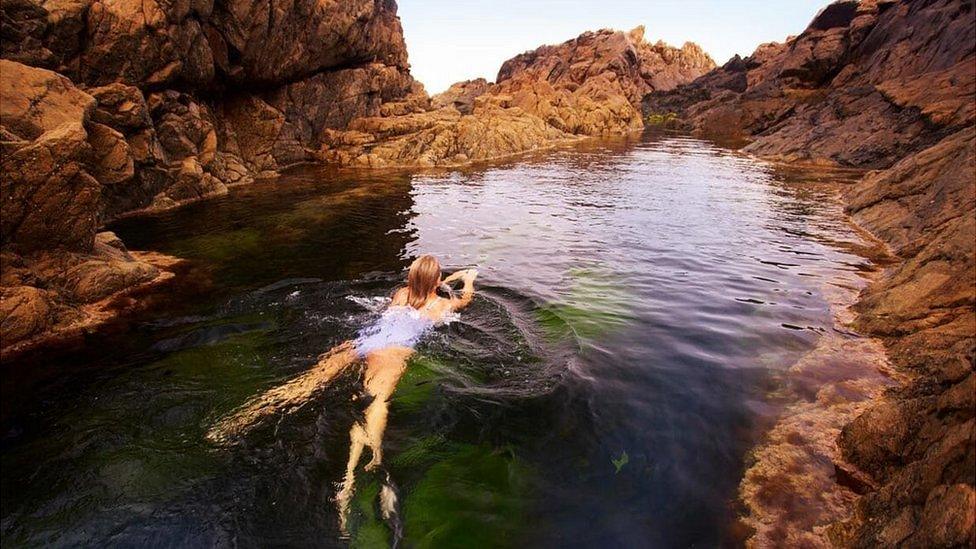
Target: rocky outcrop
(54, 266)
(589, 86)
(461, 95)
(889, 85)
(115, 107)
(207, 94)
(920, 443)
(860, 87)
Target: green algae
(594, 306)
(423, 453)
(418, 384)
(367, 529)
(221, 247)
(473, 496)
(231, 370)
(666, 119)
(148, 449)
(619, 462)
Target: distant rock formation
(588, 86)
(114, 107)
(889, 85)
(461, 95)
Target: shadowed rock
(890, 85)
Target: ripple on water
(650, 310)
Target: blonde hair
(422, 280)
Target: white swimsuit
(398, 326)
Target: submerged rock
(890, 85)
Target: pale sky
(452, 40)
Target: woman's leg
(357, 440)
(287, 397)
(383, 370)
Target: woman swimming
(384, 346)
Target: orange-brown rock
(859, 70)
(588, 86)
(303, 67)
(154, 104)
(890, 85)
(594, 84)
(49, 195)
(461, 95)
(53, 173)
(920, 444)
(46, 295)
(443, 137)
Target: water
(641, 303)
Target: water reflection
(643, 305)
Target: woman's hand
(467, 293)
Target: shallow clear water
(639, 302)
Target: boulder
(113, 162)
(37, 100)
(25, 311)
(50, 199)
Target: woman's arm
(455, 276)
(467, 292)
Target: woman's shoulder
(442, 307)
(399, 296)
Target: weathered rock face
(296, 69)
(202, 43)
(889, 85)
(591, 85)
(596, 71)
(110, 107)
(461, 95)
(920, 445)
(54, 156)
(858, 71)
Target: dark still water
(639, 304)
